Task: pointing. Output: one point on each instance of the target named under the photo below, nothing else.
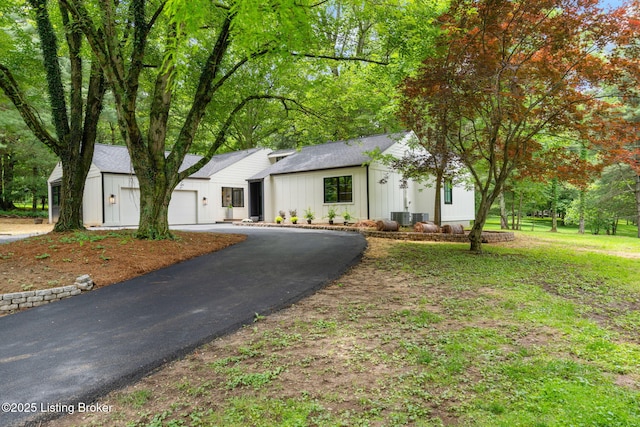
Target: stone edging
(487, 236)
(28, 299)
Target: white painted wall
(306, 190)
(385, 198)
(236, 176)
(91, 204)
(463, 209)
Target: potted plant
(283, 215)
(331, 214)
(294, 220)
(346, 216)
(229, 213)
(308, 214)
(279, 219)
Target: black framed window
(448, 192)
(232, 197)
(55, 195)
(338, 189)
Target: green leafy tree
(75, 92)
(607, 201)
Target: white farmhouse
(258, 183)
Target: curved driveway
(78, 349)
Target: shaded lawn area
(542, 331)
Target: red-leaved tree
(508, 72)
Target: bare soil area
(14, 226)
(57, 259)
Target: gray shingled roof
(115, 159)
(331, 155)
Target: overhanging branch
(28, 113)
(222, 133)
(340, 58)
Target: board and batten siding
(384, 198)
(235, 176)
(91, 201)
(305, 190)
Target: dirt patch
(57, 259)
(14, 226)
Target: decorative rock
(84, 282)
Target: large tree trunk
(74, 173)
(156, 189)
(475, 235)
(154, 214)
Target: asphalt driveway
(62, 356)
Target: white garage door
(129, 206)
(182, 209)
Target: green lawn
(576, 302)
(530, 224)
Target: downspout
(102, 202)
(367, 177)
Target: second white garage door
(182, 209)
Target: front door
(256, 200)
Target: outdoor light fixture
(205, 202)
(112, 199)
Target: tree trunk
(475, 235)
(513, 210)
(154, 215)
(554, 205)
(520, 202)
(581, 212)
(74, 173)
(7, 171)
(155, 194)
(437, 205)
(504, 221)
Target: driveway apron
(61, 356)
